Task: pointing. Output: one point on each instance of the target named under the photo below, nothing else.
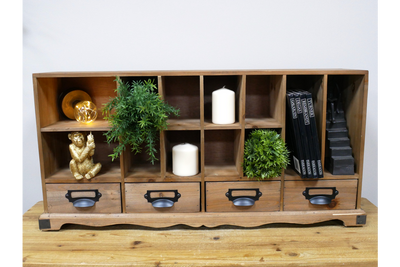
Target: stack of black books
(302, 136)
(339, 154)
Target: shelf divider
(202, 168)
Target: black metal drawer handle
(244, 201)
(83, 202)
(321, 199)
(162, 202)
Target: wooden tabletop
(322, 244)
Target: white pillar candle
(223, 106)
(185, 159)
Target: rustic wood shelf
(260, 104)
(70, 125)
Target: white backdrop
(95, 35)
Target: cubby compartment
(264, 105)
(246, 136)
(173, 138)
(183, 93)
(137, 165)
(51, 91)
(231, 82)
(316, 85)
(222, 153)
(57, 157)
(352, 95)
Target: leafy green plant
(265, 154)
(137, 115)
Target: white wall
(93, 35)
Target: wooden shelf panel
(183, 124)
(208, 125)
(221, 171)
(170, 174)
(254, 123)
(109, 173)
(291, 174)
(162, 179)
(112, 74)
(71, 125)
(144, 171)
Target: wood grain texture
(109, 202)
(188, 202)
(323, 244)
(295, 200)
(216, 200)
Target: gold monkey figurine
(82, 164)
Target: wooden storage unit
(260, 103)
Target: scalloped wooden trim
(208, 219)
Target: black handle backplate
(162, 202)
(83, 202)
(320, 199)
(243, 201)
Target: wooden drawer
(84, 195)
(162, 197)
(320, 192)
(237, 196)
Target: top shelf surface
(201, 72)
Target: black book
(303, 134)
(314, 144)
(308, 140)
(293, 136)
(314, 135)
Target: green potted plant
(136, 115)
(265, 154)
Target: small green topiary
(265, 154)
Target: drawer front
(243, 196)
(84, 198)
(320, 195)
(162, 197)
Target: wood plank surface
(322, 244)
(109, 202)
(294, 200)
(199, 72)
(217, 201)
(188, 202)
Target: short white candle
(185, 160)
(223, 106)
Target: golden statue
(82, 164)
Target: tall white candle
(223, 106)
(185, 159)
